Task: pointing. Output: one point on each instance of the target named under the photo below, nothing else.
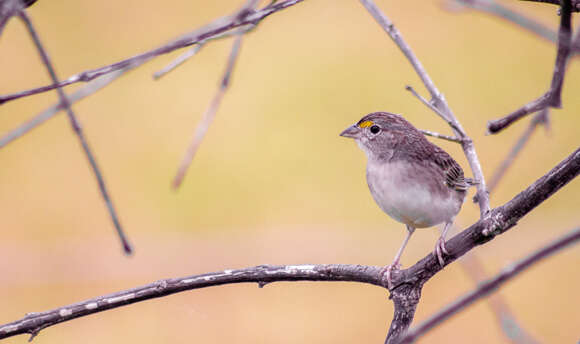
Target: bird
(412, 180)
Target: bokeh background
(272, 183)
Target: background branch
(209, 115)
(497, 9)
(79, 132)
(505, 318)
(216, 28)
(552, 98)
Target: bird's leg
(440, 246)
(395, 264)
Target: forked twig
(78, 131)
(491, 285)
(209, 115)
(552, 98)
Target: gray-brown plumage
(411, 179)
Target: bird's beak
(353, 132)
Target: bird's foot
(387, 272)
(440, 250)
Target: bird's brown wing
(453, 173)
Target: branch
(441, 136)
(78, 131)
(552, 98)
(491, 285)
(499, 10)
(215, 28)
(50, 112)
(412, 279)
(263, 274)
(437, 101)
(209, 115)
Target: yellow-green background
(272, 183)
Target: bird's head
(379, 133)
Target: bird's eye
(375, 129)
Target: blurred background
(272, 183)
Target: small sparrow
(412, 180)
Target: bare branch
(440, 136)
(552, 98)
(499, 10)
(50, 112)
(78, 131)
(263, 274)
(491, 285)
(209, 115)
(249, 18)
(437, 100)
(498, 221)
(433, 108)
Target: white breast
(401, 190)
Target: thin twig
(433, 108)
(552, 98)
(178, 61)
(50, 112)
(491, 285)
(499, 10)
(437, 100)
(441, 136)
(78, 131)
(500, 220)
(209, 115)
(217, 27)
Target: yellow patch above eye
(365, 124)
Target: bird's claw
(440, 250)
(387, 270)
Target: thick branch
(438, 101)
(552, 98)
(202, 34)
(491, 285)
(407, 283)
